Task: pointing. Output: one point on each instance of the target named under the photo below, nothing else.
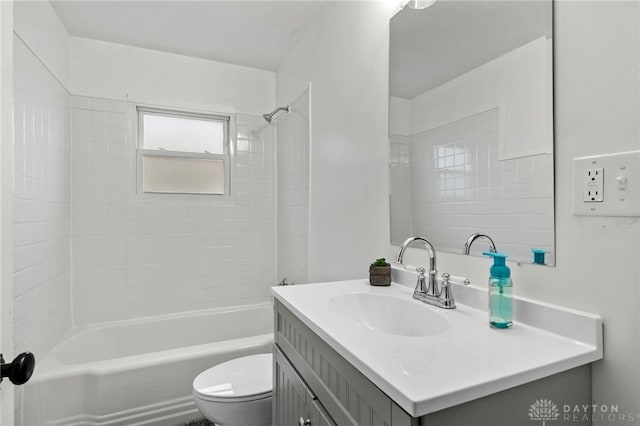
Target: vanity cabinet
(316, 386)
(314, 382)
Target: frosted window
(177, 175)
(182, 152)
(185, 134)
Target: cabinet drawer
(347, 395)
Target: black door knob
(19, 371)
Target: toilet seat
(242, 379)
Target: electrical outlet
(607, 185)
(593, 185)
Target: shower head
(269, 116)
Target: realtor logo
(544, 410)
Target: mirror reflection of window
(451, 164)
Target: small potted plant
(380, 272)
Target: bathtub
(140, 372)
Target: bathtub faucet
(284, 282)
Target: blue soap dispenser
(500, 292)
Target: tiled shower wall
(42, 210)
(293, 192)
(137, 255)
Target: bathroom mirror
(471, 126)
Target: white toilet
(236, 392)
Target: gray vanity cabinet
(314, 382)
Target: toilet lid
(245, 378)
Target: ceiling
(431, 46)
(256, 34)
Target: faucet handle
(446, 299)
(421, 286)
(455, 279)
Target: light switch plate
(618, 185)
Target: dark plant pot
(379, 275)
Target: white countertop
(465, 362)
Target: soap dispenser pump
(500, 292)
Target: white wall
(596, 111)
(114, 71)
(399, 116)
(40, 28)
(344, 53)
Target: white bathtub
(140, 372)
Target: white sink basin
(393, 340)
(388, 315)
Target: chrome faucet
(430, 293)
(473, 237)
(432, 288)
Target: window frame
(226, 157)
